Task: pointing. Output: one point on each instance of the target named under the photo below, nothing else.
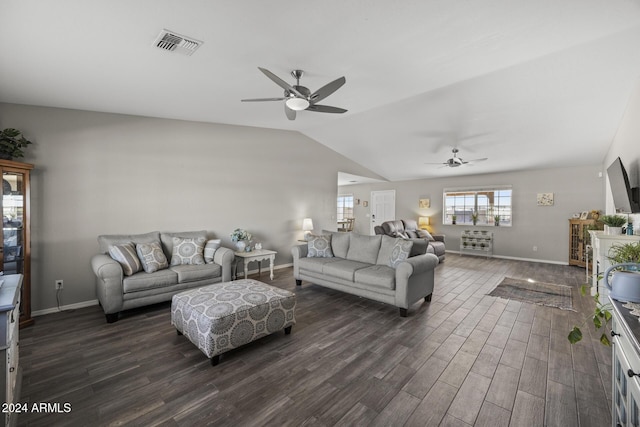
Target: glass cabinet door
(13, 236)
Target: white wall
(98, 173)
(575, 189)
(626, 145)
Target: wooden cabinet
(9, 320)
(579, 239)
(16, 236)
(625, 408)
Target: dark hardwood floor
(464, 359)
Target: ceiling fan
(456, 161)
(298, 98)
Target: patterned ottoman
(223, 316)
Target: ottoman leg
(178, 332)
(287, 330)
(403, 312)
(428, 298)
(215, 360)
(298, 282)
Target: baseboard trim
(543, 261)
(95, 301)
(65, 307)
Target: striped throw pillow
(126, 255)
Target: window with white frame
(492, 206)
(345, 206)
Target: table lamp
(423, 222)
(307, 226)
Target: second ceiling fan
(456, 161)
(298, 98)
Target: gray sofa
(361, 265)
(118, 289)
(408, 228)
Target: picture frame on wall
(545, 199)
(424, 203)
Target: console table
(254, 255)
(9, 327)
(602, 243)
(625, 331)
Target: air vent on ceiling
(174, 42)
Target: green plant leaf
(605, 340)
(607, 315)
(575, 335)
(584, 289)
(597, 322)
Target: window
(487, 203)
(345, 206)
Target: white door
(383, 207)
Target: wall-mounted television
(625, 198)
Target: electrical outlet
(59, 284)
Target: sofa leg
(287, 330)
(298, 282)
(404, 312)
(428, 298)
(178, 332)
(215, 360)
(112, 317)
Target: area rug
(548, 294)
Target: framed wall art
(424, 203)
(545, 199)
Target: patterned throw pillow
(319, 247)
(400, 252)
(210, 249)
(187, 251)
(151, 256)
(125, 254)
(424, 234)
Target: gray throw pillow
(188, 251)
(126, 255)
(151, 256)
(400, 252)
(319, 247)
(210, 250)
(424, 234)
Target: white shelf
(476, 242)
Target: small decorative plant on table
(242, 238)
(613, 221)
(474, 217)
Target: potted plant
(496, 220)
(241, 237)
(474, 217)
(454, 217)
(11, 144)
(627, 252)
(614, 223)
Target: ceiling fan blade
(327, 89)
(262, 99)
(325, 109)
(277, 80)
(291, 114)
(477, 160)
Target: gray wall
(626, 145)
(575, 189)
(99, 173)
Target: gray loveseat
(408, 228)
(118, 289)
(361, 265)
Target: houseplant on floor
(11, 144)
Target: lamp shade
(423, 221)
(307, 224)
(297, 104)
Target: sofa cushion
(187, 250)
(386, 246)
(210, 249)
(400, 252)
(167, 239)
(364, 248)
(126, 255)
(107, 240)
(344, 269)
(392, 227)
(316, 264)
(145, 281)
(319, 246)
(410, 224)
(339, 243)
(411, 234)
(151, 256)
(420, 247)
(193, 273)
(425, 235)
(377, 275)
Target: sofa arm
(438, 237)
(109, 277)
(415, 279)
(298, 251)
(224, 257)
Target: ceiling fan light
(297, 104)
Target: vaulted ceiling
(528, 85)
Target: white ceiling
(528, 84)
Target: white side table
(255, 255)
